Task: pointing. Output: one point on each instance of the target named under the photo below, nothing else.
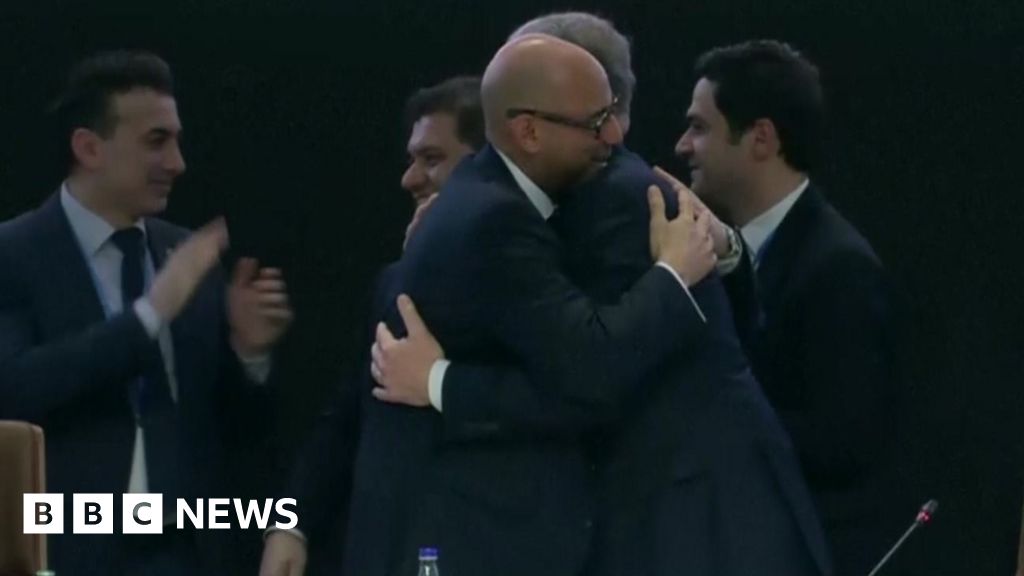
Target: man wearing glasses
(592, 124)
(696, 475)
(484, 267)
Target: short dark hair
(458, 96)
(598, 37)
(92, 83)
(769, 79)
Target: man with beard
(445, 126)
(695, 473)
(484, 267)
(815, 310)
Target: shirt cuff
(147, 315)
(685, 289)
(435, 382)
(293, 531)
(256, 368)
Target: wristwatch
(735, 245)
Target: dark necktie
(129, 242)
(149, 394)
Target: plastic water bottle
(428, 562)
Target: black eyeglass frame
(594, 124)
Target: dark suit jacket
(819, 331)
(697, 475)
(484, 269)
(66, 367)
(320, 478)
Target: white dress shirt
(757, 232)
(542, 202)
(104, 262)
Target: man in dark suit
(697, 475)
(810, 293)
(484, 267)
(445, 125)
(115, 327)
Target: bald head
(548, 107)
(540, 72)
(599, 37)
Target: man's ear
(764, 139)
(87, 147)
(524, 131)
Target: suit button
(588, 525)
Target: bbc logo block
(144, 514)
(92, 514)
(43, 513)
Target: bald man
(484, 270)
(698, 476)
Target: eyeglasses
(593, 124)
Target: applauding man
(117, 332)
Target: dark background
(292, 119)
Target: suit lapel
(160, 244)
(75, 299)
(781, 254)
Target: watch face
(734, 242)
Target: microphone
(924, 516)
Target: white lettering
(195, 517)
(218, 509)
(291, 514)
(262, 514)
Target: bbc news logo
(144, 513)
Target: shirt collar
(758, 230)
(90, 229)
(536, 196)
